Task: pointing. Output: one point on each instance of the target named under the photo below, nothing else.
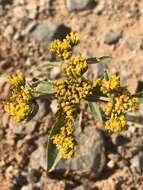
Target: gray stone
(26, 128)
(90, 153)
(9, 30)
(29, 28)
(112, 37)
(100, 7)
(19, 2)
(137, 163)
(82, 187)
(35, 176)
(32, 10)
(46, 32)
(38, 158)
(78, 4)
(27, 187)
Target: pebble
(90, 154)
(82, 187)
(45, 32)
(78, 4)
(29, 28)
(137, 163)
(100, 7)
(27, 187)
(112, 37)
(35, 176)
(111, 164)
(32, 10)
(19, 2)
(9, 31)
(19, 12)
(26, 128)
(38, 158)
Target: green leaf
(45, 88)
(103, 59)
(96, 111)
(53, 156)
(107, 75)
(49, 65)
(92, 60)
(140, 96)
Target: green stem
(102, 98)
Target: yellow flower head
(17, 80)
(116, 123)
(108, 107)
(75, 67)
(65, 142)
(73, 38)
(19, 103)
(69, 94)
(111, 85)
(63, 49)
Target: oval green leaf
(45, 88)
(53, 156)
(95, 111)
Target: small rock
(24, 21)
(137, 163)
(21, 179)
(100, 7)
(35, 176)
(9, 31)
(111, 164)
(134, 11)
(19, 12)
(27, 128)
(46, 32)
(133, 84)
(90, 154)
(27, 187)
(32, 10)
(29, 28)
(112, 37)
(82, 187)
(54, 106)
(78, 4)
(38, 158)
(19, 2)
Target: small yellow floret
(112, 84)
(116, 123)
(17, 80)
(65, 142)
(75, 67)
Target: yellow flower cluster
(18, 105)
(110, 85)
(69, 94)
(116, 123)
(65, 141)
(75, 67)
(120, 101)
(63, 49)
